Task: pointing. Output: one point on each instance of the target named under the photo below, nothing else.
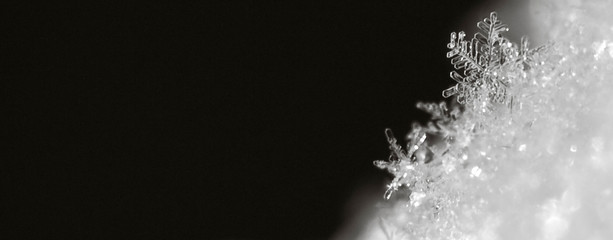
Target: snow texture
(525, 151)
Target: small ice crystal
(388, 193)
(397, 152)
(475, 171)
(416, 198)
(381, 164)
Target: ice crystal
(482, 61)
(423, 148)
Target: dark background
(216, 120)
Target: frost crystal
(423, 149)
(483, 60)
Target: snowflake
(411, 167)
(482, 62)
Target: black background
(216, 120)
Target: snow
(530, 154)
